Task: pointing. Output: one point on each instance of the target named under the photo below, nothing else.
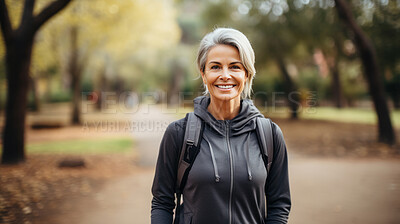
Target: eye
(235, 67)
(215, 67)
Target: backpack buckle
(190, 142)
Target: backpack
(191, 147)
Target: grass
(86, 146)
(350, 115)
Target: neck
(224, 109)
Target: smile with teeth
(225, 86)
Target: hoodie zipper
(231, 171)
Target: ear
(203, 76)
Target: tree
(109, 39)
(383, 28)
(322, 32)
(75, 71)
(370, 64)
(19, 43)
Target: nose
(225, 75)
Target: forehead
(223, 52)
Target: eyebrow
(216, 62)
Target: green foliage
(218, 14)
(268, 80)
(31, 102)
(353, 83)
(190, 30)
(310, 80)
(267, 85)
(87, 85)
(87, 146)
(293, 30)
(132, 45)
(383, 27)
(60, 96)
(127, 30)
(348, 115)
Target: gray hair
(237, 39)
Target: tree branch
(5, 23)
(27, 13)
(344, 12)
(52, 9)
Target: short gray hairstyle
(237, 39)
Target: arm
(163, 189)
(277, 187)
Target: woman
(228, 182)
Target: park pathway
(128, 200)
(324, 190)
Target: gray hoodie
(228, 182)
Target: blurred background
(87, 88)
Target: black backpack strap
(189, 146)
(266, 141)
(189, 151)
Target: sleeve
(277, 188)
(163, 189)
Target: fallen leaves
(30, 190)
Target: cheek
(210, 78)
(243, 78)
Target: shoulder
(176, 130)
(276, 129)
(279, 140)
(173, 137)
(176, 126)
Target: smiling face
(224, 73)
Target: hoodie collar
(243, 122)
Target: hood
(243, 122)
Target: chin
(227, 97)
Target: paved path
(323, 190)
(128, 199)
(347, 191)
(151, 123)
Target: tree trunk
(102, 87)
(19, 44)
(18, 58)
(393, 87)
(291, 91)
(333, 64)
(34, 91)
(368, 57)
(336, 85)
(75, 73)
(76, 100)
(177, 79)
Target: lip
(225, 89)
